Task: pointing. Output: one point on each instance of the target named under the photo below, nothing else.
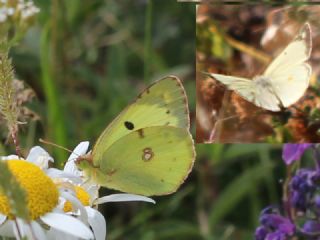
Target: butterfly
(147, 149)
(284, 81)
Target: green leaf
(10, 187)
(236, 190)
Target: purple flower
(311, 226)
(274, 226)
(301, 204)
(293, 152)
(317, 201)
(261, 233)
(277, 222)
(302, 188)
(277, 235)
(299, 201)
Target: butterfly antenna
(218, 125)
(55, 145)
(214, 129)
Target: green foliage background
(86, 60)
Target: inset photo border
(257, 77)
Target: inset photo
(257, 77)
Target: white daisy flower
(87, 193)
(43, 199)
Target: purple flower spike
(274, 227)
(261, 233)
(278, 235)
(293, 152)
(317, 201)
(311, 227)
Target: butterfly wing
(288, 73)
(149, 161)
(290, 86)
(164, 103)
(244, 87)
(249, 90)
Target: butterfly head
(85, 161)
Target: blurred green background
(86, 60)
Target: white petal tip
(123, 197)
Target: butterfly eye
(129, 125)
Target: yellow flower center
(83, 197)
(42, 193)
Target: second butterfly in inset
(268, 99)
(284, 81)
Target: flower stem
(14, 135)
(316, 155)
(286, 194)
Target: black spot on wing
(129, 125)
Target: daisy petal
(2, 218)
(30, 230)
(54, 234)
(40, 157)
(77, 205)
(79, 150)
(71, 167)
(97, 223)
(10, 157)
(68, 224)
(6, 229)
(93, 191)
(123, 197)
(37, 230)
(19, 229)
(56, 173)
